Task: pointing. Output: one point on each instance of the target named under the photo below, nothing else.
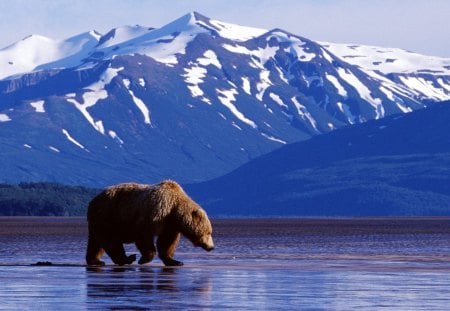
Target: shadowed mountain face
(191, 100)
(396, 166)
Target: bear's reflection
(132, 287)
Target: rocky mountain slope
(191, 100)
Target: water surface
(279, 264)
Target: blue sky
(416, 25)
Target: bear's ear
(195, 217)
(196, 214)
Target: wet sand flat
(278, 264)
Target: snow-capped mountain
(191, 100)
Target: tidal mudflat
(277, 264)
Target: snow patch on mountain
(340, 89)
(415, 73)
(444, 85)
(227, 97)
(296, 45)
(236, 32)
(426, 88)
(141, 82)
(71, 139)
(304, 113)
(105, 79)
(276, 98)
(138, 102)
(388, 93)
(388, 60)
(54, 149)
(92, 95)
(97, 125)
(264, 83)
(195, 74)
(4, 117)
(38, 106)
(264, 54)
(116, 137)
(274, 139)
(259, 56)
(345, 109)
(193, 77)
(394, 98)
(246, 85)
(209, 58)
(362, 90)
(236, 48)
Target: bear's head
(188, 216)
(197, 228)
(203, 230)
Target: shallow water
(295, 264)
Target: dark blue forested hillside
(399, 165)
(44, 199)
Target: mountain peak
(121, 34)
(209, 94)
(199, 17)
(193, 17)
(227, 30)
(185, 22)
(35, 37)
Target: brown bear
(136, 213)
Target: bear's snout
(207, 245)
(208, 248)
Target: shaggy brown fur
(134, 213)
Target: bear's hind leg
(115, 250)
(147, 249)
(94, 252)
(167, 243)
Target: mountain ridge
(191, 100)
(397, 166)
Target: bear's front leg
(147, 249)
(115, 250)
(170, 262)
(167, 243)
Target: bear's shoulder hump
(170, 184)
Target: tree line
(44, 199)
